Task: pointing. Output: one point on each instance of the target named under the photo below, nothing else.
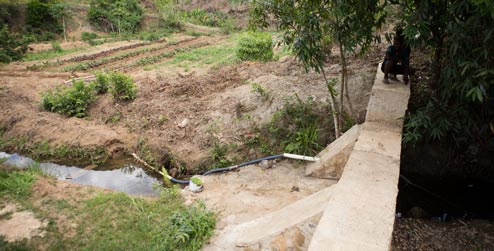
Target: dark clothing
(401, 59)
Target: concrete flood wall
(361, 211)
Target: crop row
(156, 58)
(58, 62)
(94, 64)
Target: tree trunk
(337, 131)
(64, 29)
(344, 85)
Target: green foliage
(308, 24)
(122, 86)
(219, 155)
(101, 84)
(169, 12)
(12, 45)
(56, 47)
(70, 101)
(258, 89)
(116, 221)
(115, 16)
(255, 46)
(41, 15)
(206, 18)
(44, 151)
(17, 184)
(88, 36)
(192, 227)
(457, 111)
(300, 127)
(21, 245)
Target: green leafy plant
(169, 12)
(41, 16)
(17, 184)
(219, 156)
(87, 36)
(70, 101)
(299, 127)
(255, 46)
(206, 18)
(258, 89)
(56, 47)
(122, 87)
(101, 83)
(115, 16)
(12, 45)
(309, 25)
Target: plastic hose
(225, 169)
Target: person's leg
(387, 68)
(406, 72)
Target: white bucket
(193, 187)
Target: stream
(116, 174)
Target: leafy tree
(255, 46)
(170, 14)
(59, 11)
(12, 45)
(115, 16)
(308, 24)
(459, 110)
(39, 16)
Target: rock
(183, 124)
(266, 164)
(252, 153)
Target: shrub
(40, 15)
(12, 46)
(255, 46)
(88, 36)
(300, 127)
(203, 17)
(47, 36)
(115, 16)
(71, 101)
(56, 47)
(95, 42)
(101, 83)
(122, 86)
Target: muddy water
(116, 175)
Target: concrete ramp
(360, 213)
(262, 232)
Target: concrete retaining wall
(360, 213)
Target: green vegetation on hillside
(115, 16)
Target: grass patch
(17, 184)
(49, 54)
(222, 53)
(120, 222)
(110, 221)
(44, 151)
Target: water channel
(119, 174)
